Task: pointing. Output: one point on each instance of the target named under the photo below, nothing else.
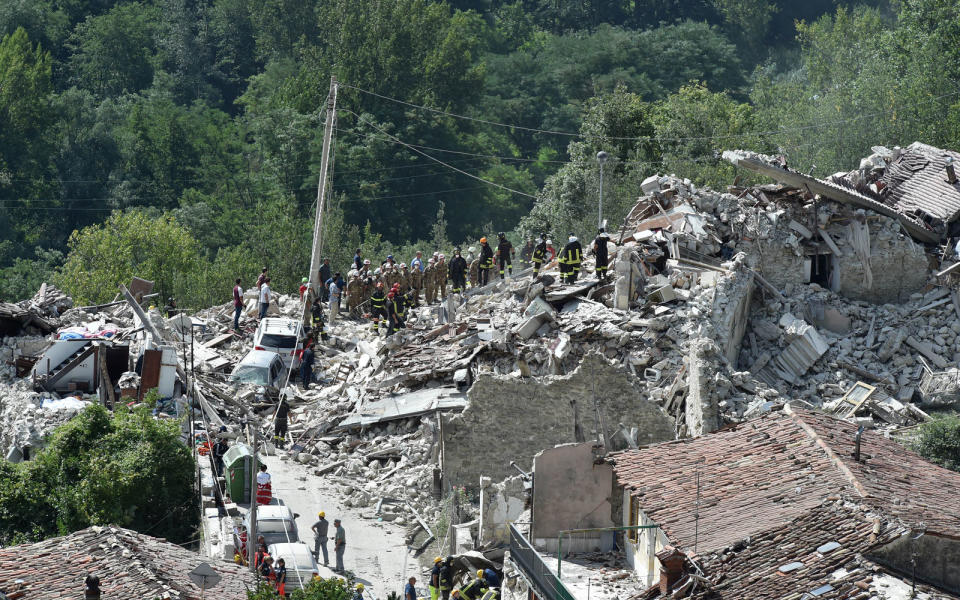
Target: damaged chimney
(671, 568)
(951, 172)
(856, 447)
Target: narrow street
(375, 552)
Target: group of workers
(441, 583)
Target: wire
(437, 160)
(648, 138)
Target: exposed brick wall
(513, 419)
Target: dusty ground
(376, 551)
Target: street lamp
(601, 158)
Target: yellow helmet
(479, 573)
(359, 587)
(321, 514)
(438, 559)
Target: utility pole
(252, 533)
(322, 185)
(601, 158)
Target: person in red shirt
(262, 278)
(303, 287)
(237, 304)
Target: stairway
(83, 351)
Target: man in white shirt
(264, 297)
(334, 298)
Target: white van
(282, 336)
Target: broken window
(634, 534)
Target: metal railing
(545, 581)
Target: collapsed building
(831, 295)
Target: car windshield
(251, 374)
(275, 526)
(274, 340)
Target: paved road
(376, 552)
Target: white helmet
(403, 265)
(549, 242)
(471, 249)
(441, 257)
(573, 238)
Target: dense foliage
(125, 469)
(198, 123)
(334, 588)
(939, 441)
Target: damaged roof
(916, 183)
(129, 565)
(776, 469)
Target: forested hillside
(180, 139)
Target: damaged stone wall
(707, 386)
(511, 419)
(731, 311)
(570, 491)
(898, 266)
(500, 504)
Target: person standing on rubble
(262, 278)
(394, 307)
(428, 282)
(416, 263)
(458, 272)
(264, 298)
(378, 306)
(486, 261)
(324, 276)
(237, 304)
(538, 255)
(171, 308)
(316, 316)
(306, 364)
(441, 275)
(600, 250)
(280, 423)
(410, 590)
(320, 529)
(334, 290)
(474, 270)
(505, 254)
(339, 544)
(446, 578)
(358, 261)
(570, 257)
(434, 585)
(527, 253)
(416, 281)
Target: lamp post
(601, 158)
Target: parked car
(298, 558)
(276, 523)
(282, 336)
(261, 368)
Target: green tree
(938, 441)
(114, 53)
(334, 588)
(127, 245)
(23, 278)
(128, 469)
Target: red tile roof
(130, 566)
(770, 471)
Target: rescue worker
(399, 310)
(434, 585)
(505, 254)
(393, 317)
(354, 293)
(320, 529)
(458, 272)
(416, 281)
(171, 308)
(470, 256)
(475, 589)
(486, 262)
(280, 421)
(551, 251)
(365, 268)
(378, 306)
(389, 261)
(404, 278)
(570, 258)
(441, 276)
(601, 252)
(474, 271)
(527, 253)
(539, 255)
(316, 315)
(428, 282)
(358, 594)
(446, 578)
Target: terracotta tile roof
(820, 553)
(130, 566)
(767, 472)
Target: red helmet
(390, 295)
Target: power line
(651, 138)
(437, 160)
